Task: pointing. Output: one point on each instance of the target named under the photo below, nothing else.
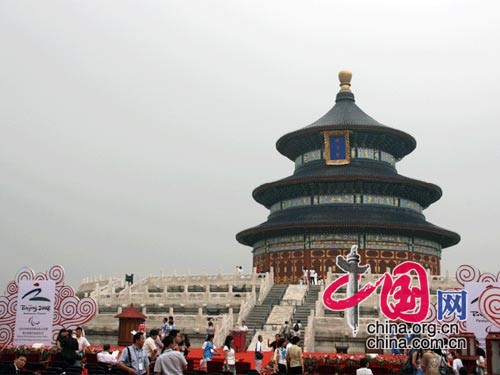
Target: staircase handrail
(319, 309)
(246, 306)
(309, 333)
(226, 325)
(266, 283)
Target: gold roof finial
(345, 80)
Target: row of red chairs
(216, 365)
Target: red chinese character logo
(399, 299)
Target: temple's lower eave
(444, 237)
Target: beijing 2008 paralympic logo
(404, 294)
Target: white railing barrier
(246, 307)
(266, 283)
(223, 329)
(309, 334)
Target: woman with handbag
(229, 357)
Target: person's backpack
(296, 327)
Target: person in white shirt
(170, 326)
(134, 359)
(296, 328)
(243, 326)
(457, 363)
(481, 365)
(229, 356)
(150, 345)
(239, 271)
(210, 328)
(170, 362)
(313, 277)
(82, 341)
(363, 369)
(159, 345)
(258, 354)
(105, 356)
(280, 357)
(305, 276)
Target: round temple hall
(345, 190)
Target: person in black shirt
(69, 347)
(480, 351)
(274, 344)
(16, 367)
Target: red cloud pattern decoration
(489, 300)
(69, 310)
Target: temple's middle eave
(269, 193)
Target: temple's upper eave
(345, 115)
(396, 142)
(345, 112)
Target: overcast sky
(133, 132)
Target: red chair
(349, 370)
(214, 366)
(91, 357)
(380, 371)
(7, 357)
(243, 367)
(33, 357)
(327, 369)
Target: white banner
(476, 322)
(35, 312)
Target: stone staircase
(302, 312)
(259, 314)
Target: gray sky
(133, 132)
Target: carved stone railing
(310, 333)
(222, 329)
(191, 298)
(164, 280)
(266, 283)
(162, 289)
(319, 307)
(246, 307)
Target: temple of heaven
(345, 191)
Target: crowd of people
(71, 345)
(310, 277)
(439, 362)
(165, 351)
